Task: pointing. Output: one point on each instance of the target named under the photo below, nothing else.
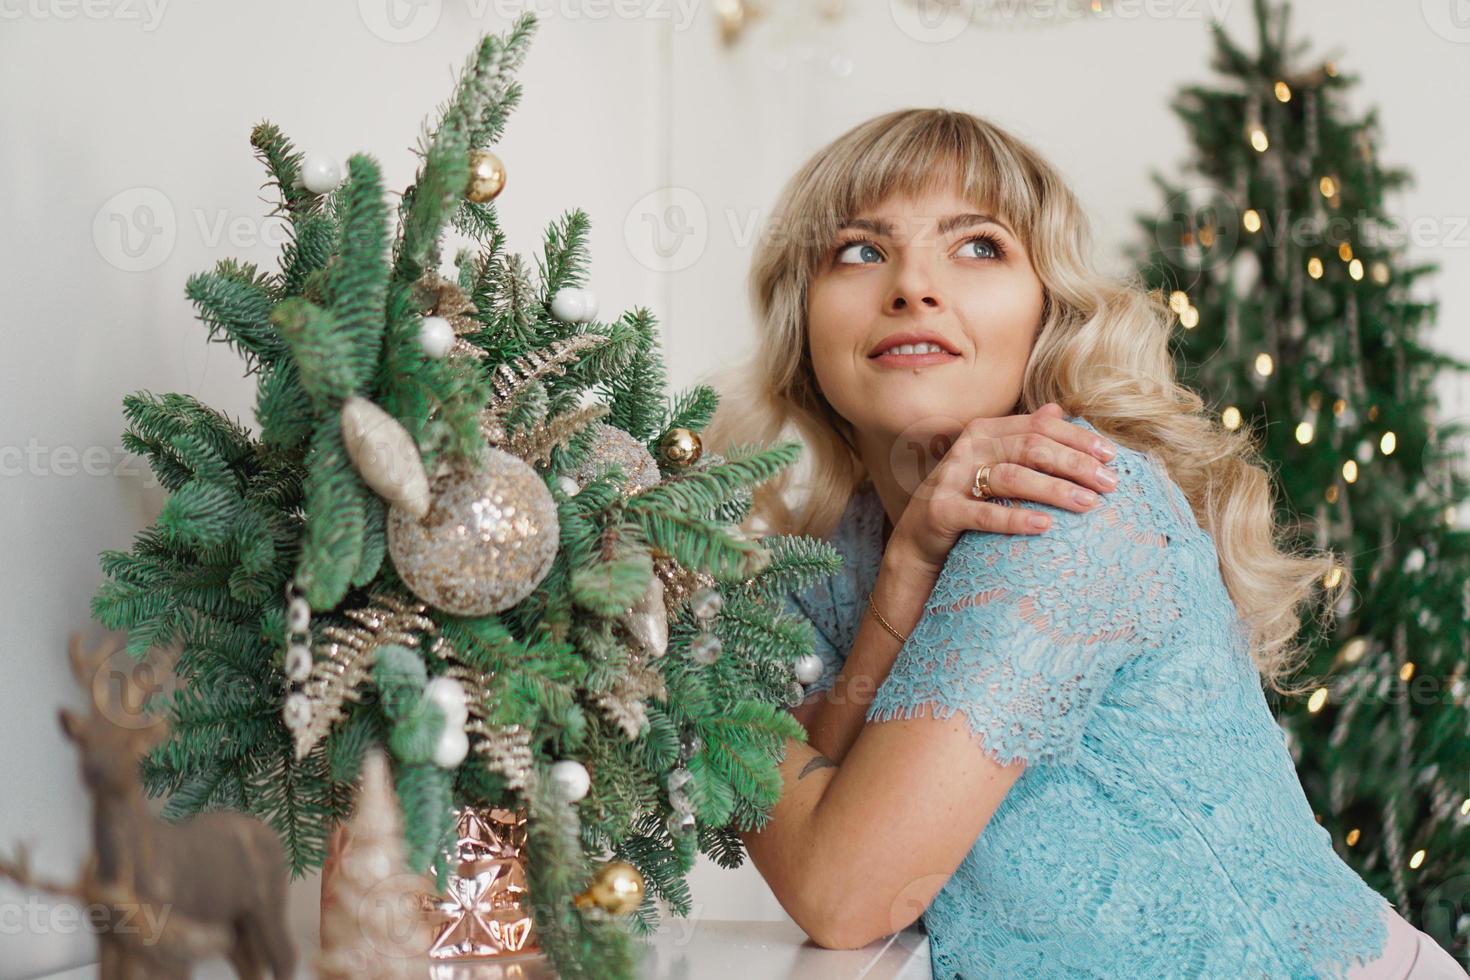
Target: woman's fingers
(1009, 520)
(1045, 455)
(1074, 435)
(1017, 482)
(1048, 420)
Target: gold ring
(981, 489)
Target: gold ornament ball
(681, 446)
(487, 177)
(617, 888)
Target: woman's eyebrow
(947, 224)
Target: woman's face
(915, 270)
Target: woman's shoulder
(1109, 572)
(1147, 500)
(1131, 526)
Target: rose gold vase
(484, 911)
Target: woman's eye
(984, 242)
(865, 251)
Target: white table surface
(712, 949)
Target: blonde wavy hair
(1102, 352)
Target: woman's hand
(1039, 457)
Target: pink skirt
(1409, 954)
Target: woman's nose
(914, 286)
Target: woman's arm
(858, 851)
(834, 719)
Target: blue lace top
(1159, 828)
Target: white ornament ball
(385, 455)
(449, 695)
(809, 668)
(571, 779)
(705, 648)
(298, 615)
(574, 305)
(436, 336)
(320, 174)
(298, 662)
(706, 604)
(451, 749)
(296, 712)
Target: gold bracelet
(883, 622)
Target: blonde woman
(1049, 740)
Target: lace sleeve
(1024, 633)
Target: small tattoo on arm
(815, 763)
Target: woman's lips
(890, 359)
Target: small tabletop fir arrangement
(471, 530)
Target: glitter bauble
(487, 542)
(613, 445)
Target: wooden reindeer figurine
(212, 885)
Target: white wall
(157, 104)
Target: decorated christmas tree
(473, 528)
(1302, 320)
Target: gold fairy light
(1417, 859)
(1251, 220)
(1379, 272)
(1258, 140)
(1388, 443)
(1178, 301)
(1189, 319)
(1230, 418)
(1355, 269)
(1331, 494)
(1353, 836)
(1264, 365)
(1304, 432)
(1465, 807)
(1353, 650)
(1333, 577)
(1314, 267)
(1406, 672)
(1283, 92)
(1339, 406)
(1345, 251)
(1317, 700)
(1350, 471)
(1327, 186)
